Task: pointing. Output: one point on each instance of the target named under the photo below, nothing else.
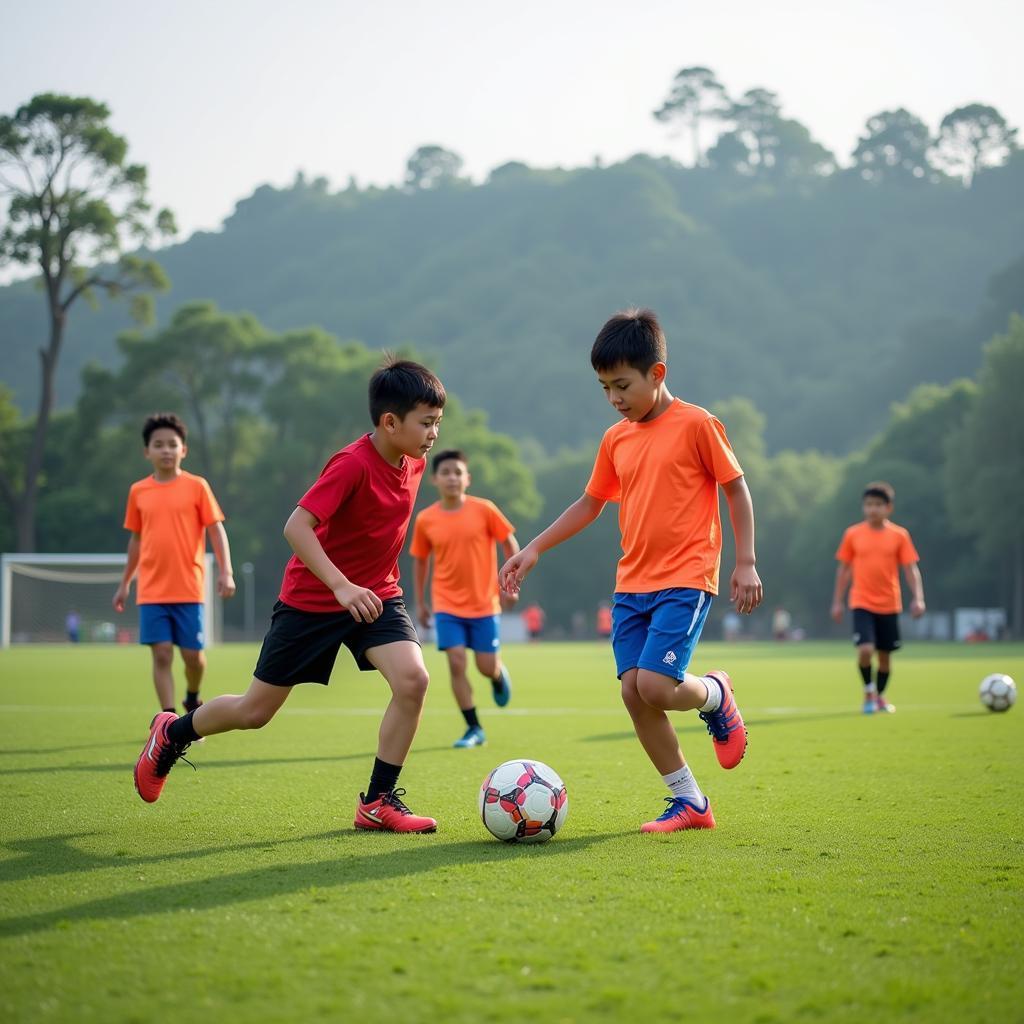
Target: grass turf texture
(863, 867)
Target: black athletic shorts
(300, 647)
(883, 631)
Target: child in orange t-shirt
(168, 514)
(663, 463)
(871, 554)
(460, 532)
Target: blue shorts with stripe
(658, 631)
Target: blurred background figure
(781, 623)
(731, 627)
(533, 619)
(73, 626)
(604, 620)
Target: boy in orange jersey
(663, 462)
(461, 532)
(871, 554)
(169, 514)
(340, 587)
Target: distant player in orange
(460, 533)
(663, 462)
(534, 619)
(168, 514)
(871, 554)
(604, 620)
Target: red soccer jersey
(363, 505)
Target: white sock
(714, 701)
(682, 783)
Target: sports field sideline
(864, 868)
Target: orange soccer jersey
(465, 579)
(665, 475)
(171, 519)
(875, 557)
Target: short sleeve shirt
(465, 574)
(875, 556)
(363, 505)
(665, 475)
(171, 519)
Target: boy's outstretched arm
(579, 515)
(222, 552)
(843, 577)
(134, 550)
(364, 604)
(745, 589)
(509, 547)
(913, 577)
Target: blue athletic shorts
(477, 634)
(179, 624)
(658, 631)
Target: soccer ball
(998, 692)
(523, 802)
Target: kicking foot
(473, 737)
(501, 688)
(725, 726)
(680, 814)
(158, 757)
(388, 814)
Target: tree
(894, 146)
(974, 137)
(431, 167)
(74, 206)
(730, 153)
(796, 154)
(696, 96)
(756, 117)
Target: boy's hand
(423, 616)
(364, 605)
(508, 601)
(226, 585)
(120, 596)
(917, 608)
(745, 591)
(516, 569)
(837, 611)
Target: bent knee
(651, 689)
(412, 686)
(865, 650)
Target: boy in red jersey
(663, 463)
(871, 554)
(169, 514)
(461, 532)
(341, 587)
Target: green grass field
(863, 868)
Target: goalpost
(51, 598)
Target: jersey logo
(670, 658)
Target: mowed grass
(863, 868)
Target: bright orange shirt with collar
(462, 541)
(665, 475)
(171, 520)
(875, 556)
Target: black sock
(382, 780)
(180, 731)
(883, 681)
(469, 714)
(172, 710)
(865, 674)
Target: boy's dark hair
(161, 420)
(880, 489)
(448, 453)
(400, 385)
(634, 337)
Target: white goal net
(48, 599)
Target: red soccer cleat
(725, 725)
(388, 814)
(681, 814)
(158, 757)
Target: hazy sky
(218, 96)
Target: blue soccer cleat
(473, 737)
(501, 688)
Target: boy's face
(415, 434)
(165, 450)
(632, 394)
(452, 478)
(876, 510)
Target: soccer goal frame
(105, 569)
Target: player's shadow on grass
(318, 879)
(132, 742)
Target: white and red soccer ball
(523, 802)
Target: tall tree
(894, 146)
(75, 205)
(974, 137)
(431, 166)
(696, 97)
(756, 115)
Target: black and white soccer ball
(523, 802)
(998, 692)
